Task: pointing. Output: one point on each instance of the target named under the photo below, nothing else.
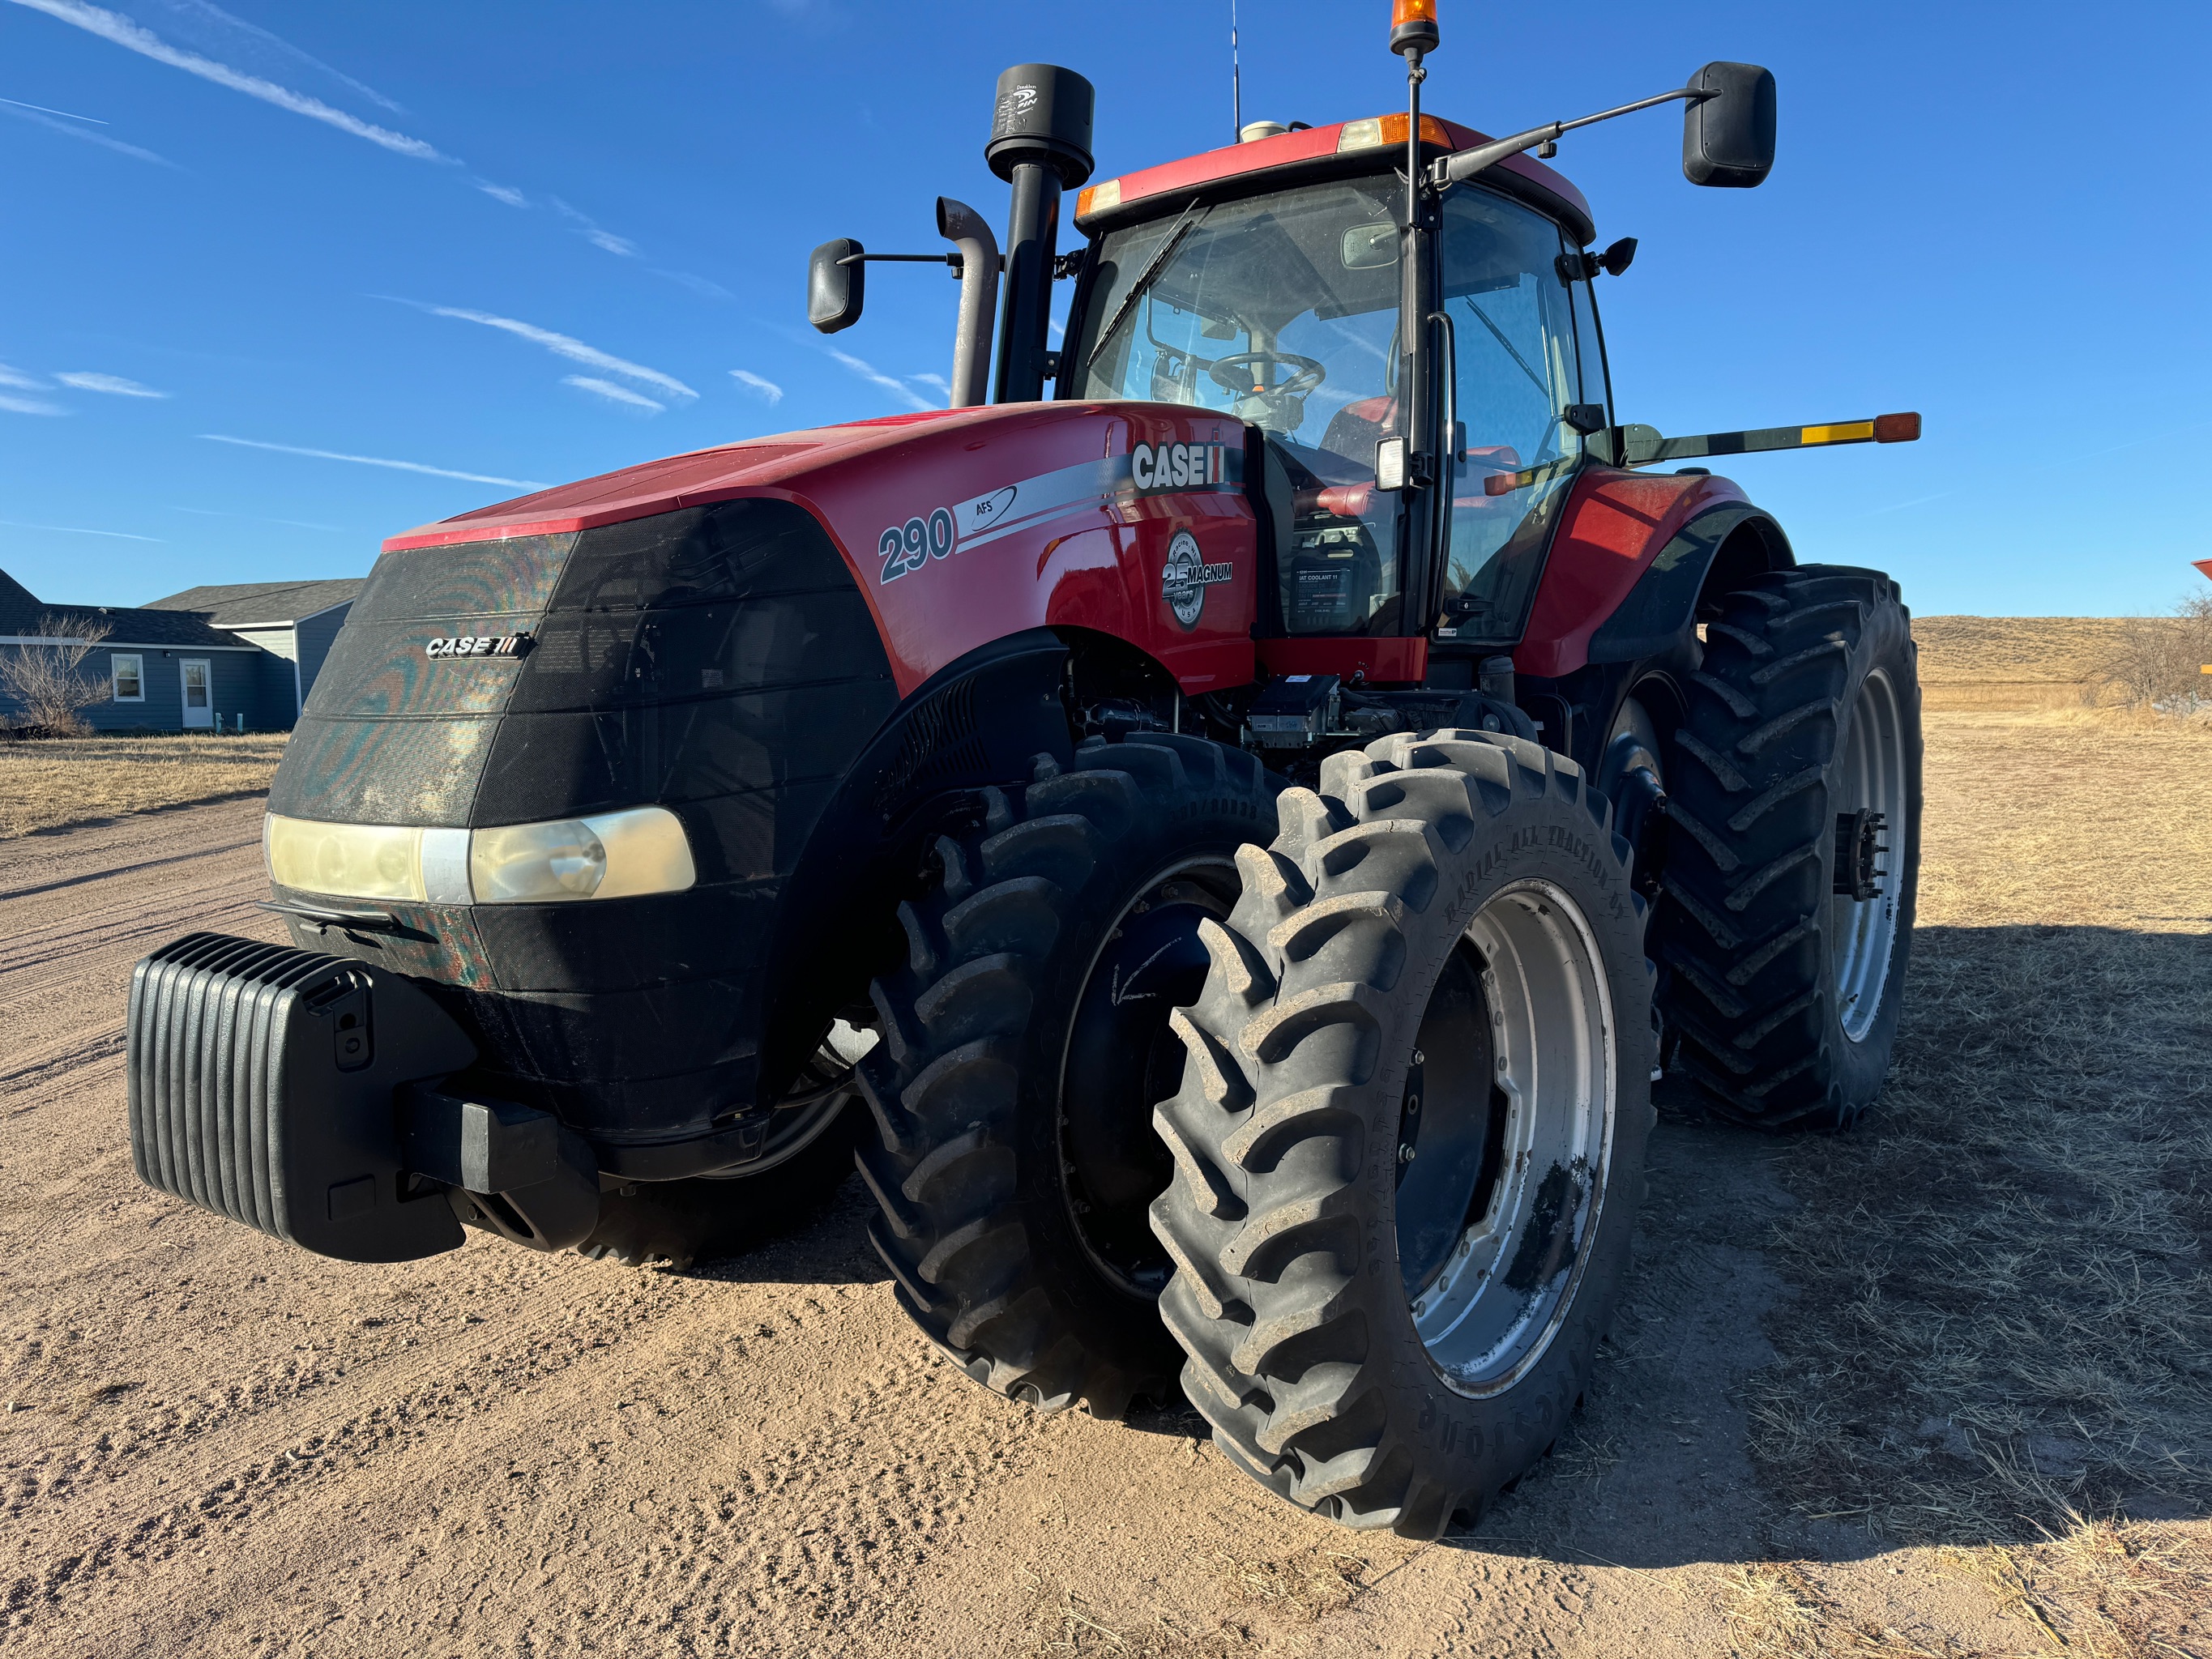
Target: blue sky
(529, 243)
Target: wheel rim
(1121, 1061)
(1509, 1104)
(1869, 776)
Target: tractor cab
(1270, 283)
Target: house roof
(19, 609)
(260, 605)
(22, 613)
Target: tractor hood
(1011, 516)
(750, 466)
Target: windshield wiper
(1174, 239)
(1498, 335)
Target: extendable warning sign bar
(1643, 445)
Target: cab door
(1517, 398)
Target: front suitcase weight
(262, 1084)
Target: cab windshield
(1281, 311)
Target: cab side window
(1515, 370)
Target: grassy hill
(2014, 662)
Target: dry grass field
(2017, 662)
(70, 780)
(2001, 1342)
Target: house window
(130, 677)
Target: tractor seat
(1355, 429)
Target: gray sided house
(241, 657)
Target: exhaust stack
(1040, 145)
(962, 225)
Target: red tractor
(1228, 845)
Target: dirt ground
(1942, 1387)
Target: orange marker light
(1414, 26)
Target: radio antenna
(1236, 77)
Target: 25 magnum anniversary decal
(1185, 576)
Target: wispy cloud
(239, 26)
(15, 405)
(21, 381)
(79, 530)
(253, 518)
(870, 372)
(373, 460)
(763, 386)
(43, 110)
(589, 229)
(613, 393)
(944, 386)
(507, 193)
(114, 384)
(1900, 506)
(114, 27)
(698, 285)
(32, 113)
(564, 345)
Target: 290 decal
(906, 547)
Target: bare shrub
(48, 682)
(2158, 662)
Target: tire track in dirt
(213, 1443)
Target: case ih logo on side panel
(1185, 577)
(1178, 466)
(477, 645)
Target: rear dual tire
(1784, 993)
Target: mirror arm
(952, 259)
(1464, 165)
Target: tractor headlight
(524, 861)
(358, 860)
(605, 855)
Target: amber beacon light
(1414, 26)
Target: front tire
(1409, 1142)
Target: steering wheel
(1305, 374)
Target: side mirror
(836, 285)
(1728, 134)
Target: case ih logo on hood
(1178, 466)
(1185, 577)
(477, 645)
